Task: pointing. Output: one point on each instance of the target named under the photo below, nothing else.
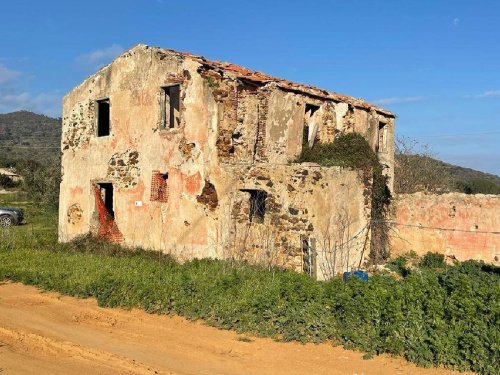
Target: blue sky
(436, 64)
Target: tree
(6, 182)
(415, 169)
(41, 181)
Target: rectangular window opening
(106, 190)
(308, 256)
(382, 137)
(257, 203)
(103, 123)
(309, 111)
(171, 99)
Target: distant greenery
(6, 182)
(41, 180)
(28, 136)
(399, 265)
(433, 261)
(351, 150)
(405, 264)
(478, 186)
(30, 142)
(448, 317)
(41, 220)
(416, 169)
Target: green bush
(7, 182)
(433, 260)
(349, 150)
(478, 186)
(447, 318)
(398, 265)
(41, 181)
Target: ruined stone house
(172, 152)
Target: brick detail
(159, 187)
(228, 109)
(260, 142)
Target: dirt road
(45, 333)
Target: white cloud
(99, 57)
(13, 97)
(46, 103)
(7, 75)
(489, 94)
(456, 22)
(397, 100)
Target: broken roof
(262, 78)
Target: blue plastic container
(359, 274)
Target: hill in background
(26, 135)
(419, 172)
(471, 181)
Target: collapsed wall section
(458, 225)
(264, 122)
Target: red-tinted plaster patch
(141, 98)
(192, 184)
(77, 190)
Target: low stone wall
(460, 225)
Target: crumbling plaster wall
(460, 225)
(229, 130)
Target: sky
(434, 63)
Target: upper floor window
(170, 107)
(103, 123)
(382, 137)
(309, 129)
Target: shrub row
(449, 317)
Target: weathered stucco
(459, 225)
(186, 190)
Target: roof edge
(252, 75)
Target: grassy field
(433, 315)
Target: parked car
(11, 216)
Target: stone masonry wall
(459, 225)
